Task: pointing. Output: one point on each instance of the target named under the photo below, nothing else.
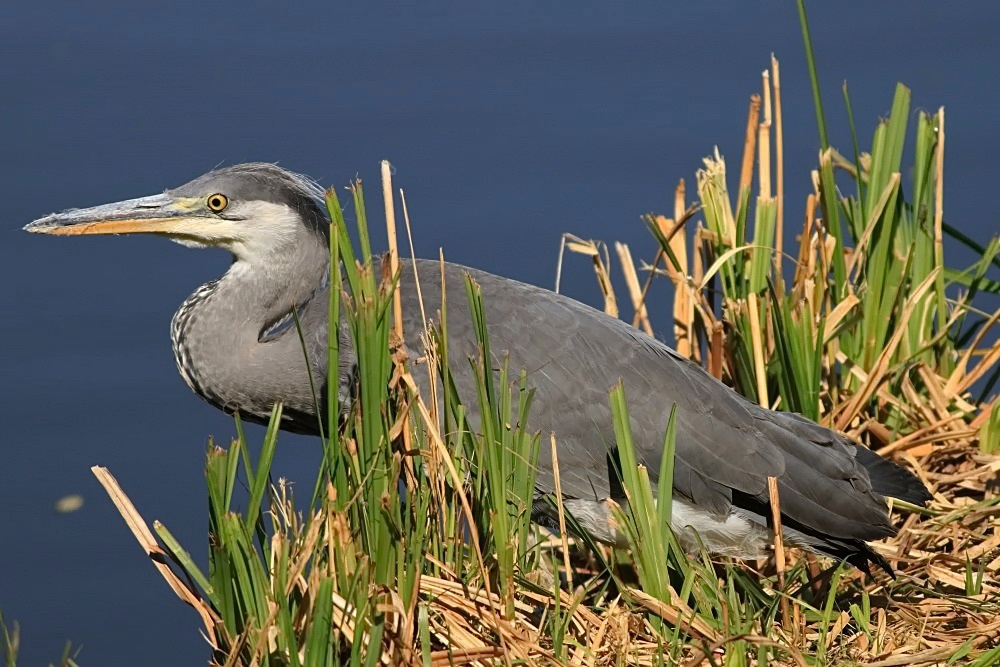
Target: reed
(415, 544)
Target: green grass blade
(187, 563)
(261, 477)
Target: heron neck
(224, 337)
(259, 291)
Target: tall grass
(10, 647)
(415, 545)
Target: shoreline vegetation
(414, 543)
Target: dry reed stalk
(764, 141)
(835, 317)
(600, 263)
(677, 613)
(184, 590)
(390, 230)
(684, 298)
(416, 277)
(697, 256)
(634, 290)
(564, 542)
(683, 307)
(598, 637)
(929, 433)
(779, 545)
(960, 383)
(750, 143)
(805, 267)
(756, 342)
(399, 358)
(669, 229)
(939, 210)
(779, 164)
(717, 355)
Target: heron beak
(157, 214)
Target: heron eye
(218, 202)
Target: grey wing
(727, 447)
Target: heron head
(251, 209)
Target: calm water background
(507, 126)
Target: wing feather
(574, 354)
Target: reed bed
(415, 544)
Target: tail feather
(892, 480)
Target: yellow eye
(217, 203)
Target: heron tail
(892, 480)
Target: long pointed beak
(157, 214)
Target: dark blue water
(507, 126)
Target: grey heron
(234, 349)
